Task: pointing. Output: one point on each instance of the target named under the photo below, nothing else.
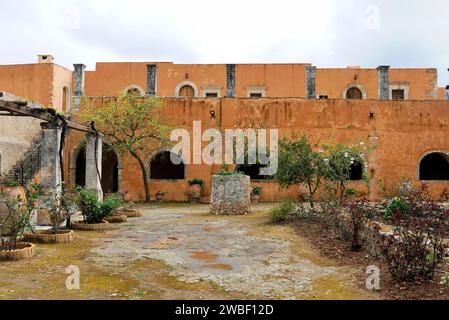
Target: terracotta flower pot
(194, 192)
(116, 218)
(23, 251)
(47, 236)
(81, 225)
(255, 198)
(12, 192)
(130, 213)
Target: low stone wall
(230, 195)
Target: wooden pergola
(20, 109)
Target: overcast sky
(327, 33)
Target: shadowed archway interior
(434, 166)
(161, 167)
(109, 169)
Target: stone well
(230, 195)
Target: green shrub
(196, 181)
(257, 191)
(95, 211)
(351, 192)
(229, 173)
(394, 205)
(281, 212)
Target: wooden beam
(42, 114)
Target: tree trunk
(312, 204)
(144, 176)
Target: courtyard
(180, 251)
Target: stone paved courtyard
(179, 251)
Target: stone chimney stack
(151, 80)
(230, 81)
(383, 82)
(311, 82)
(78, 85)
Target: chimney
(383, 82)
(78, 81)
(311, 82)
(78, 85)
(230, 81)
(45, 58)
(151, 80)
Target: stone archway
(434, 166)
(111, 168)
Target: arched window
(252, 170)
(356, 171)
(162, 167)
(434, 166)
(65, 105)
(354, 93)
(187, 91)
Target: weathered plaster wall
(16, 136)
(405, 131)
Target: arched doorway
(110, 169)
(162, 168)
(354, 93)
(434, 166)
(356, 171)
(187, 91)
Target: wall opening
(80, 176)
(162, 168)
(109, 169)
(434, 166)
(252, 170)
(354, 93)
(65, 99)
(356, 171)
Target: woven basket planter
(47, 236)
(81, 225)
(24, 251)
(130, 213)
(116, 218)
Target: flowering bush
(416, 246)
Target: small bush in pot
(195, 187)
(14, 225)
(255, 194)
(93, 210)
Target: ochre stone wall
(406, 131)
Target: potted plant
(127, 207)
(94, 211)
(194, 192)
(117, 216)
(60, 208)
(13, 226)
(159, 196)
(255, 194)
(11, 189)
